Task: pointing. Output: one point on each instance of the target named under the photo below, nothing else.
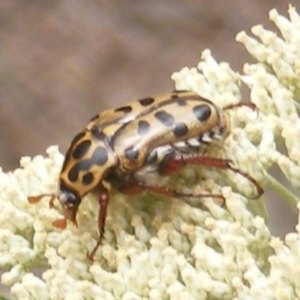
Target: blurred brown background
(63, 61)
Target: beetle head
(69, 201)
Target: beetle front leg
(103, 202)
(179, 160)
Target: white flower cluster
(161, 248)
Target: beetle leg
(179, 160)
(103, 202)
(139, 186)
(248, 104)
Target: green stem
(259, 207)
(2, 297)
(281, 190)
(297, 105)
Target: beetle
(160, 134)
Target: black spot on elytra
(180, 102)
(81, 149)
(179, 91)
(78, 137)
(143, 127)
(94, 118)
(131, 153)
(68, 155)
(100, 156)
(87, 178)
(82, 165)
(146, 101)
(124, 109)
(98, 134)
(180, 129)
(164, 118)
(202, 112)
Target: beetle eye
(72, 200)
(68, 198)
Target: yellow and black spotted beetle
(162, 133)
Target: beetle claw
(90, 256)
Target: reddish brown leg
(103, 202)
(138, 186)
(179, 160)
(248, 104)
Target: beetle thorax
(87, 161)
